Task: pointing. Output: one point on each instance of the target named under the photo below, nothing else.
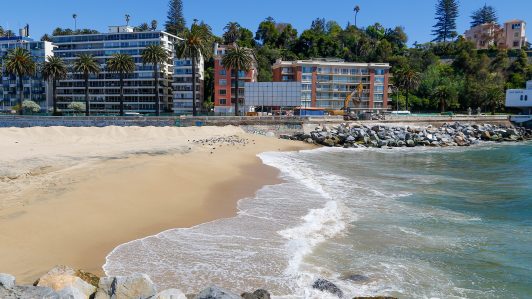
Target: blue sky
(417, 16)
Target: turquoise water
(413, 223)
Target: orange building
(327, 82)
(224, 83)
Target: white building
(35, 88)
(520, 98)
(104, 88)
(182, 85)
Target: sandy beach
(71, 195)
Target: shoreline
(77, 225)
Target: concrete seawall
(266, 125)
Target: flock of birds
(219, 142)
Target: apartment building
(515, 34)
(510, 36)
(225, 94)
(35, 88)
(104, 88)
(182, 85)
(327, 82)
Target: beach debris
(258, 294)
(327, 286)
(137, 286)
(62, 277)
(171, 294)
(7, 280)
(449, 134)
(215, 292)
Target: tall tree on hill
(446, 14)
(175, 23)
(484, 15)
(267, 32)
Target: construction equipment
(356, 97)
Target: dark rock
(327, 286)
(258, 294)
(377, 297)
(356, 278)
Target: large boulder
(62, 277)
(215, 292)
(171, 294)
(138, 286)
(376, 297)
(28, 292)
(72, 293)
(327, 286)
(7, 280)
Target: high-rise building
(327, 82)
(182, 85)
(104, 88)
(224, 83)
(35, 88)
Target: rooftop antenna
(75, 17)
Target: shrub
(77, 107)
(31, 106)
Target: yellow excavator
(356, 97)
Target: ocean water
(412, 223)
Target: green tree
(446, 14)
(175, 23)
(86, 65)
(197, 43)
(20, 64)
(267, 32)
(408, 80)
(238, 59)
(484, 15)
(53, 70)
(232, 32)
(155, 55)
(123, 64)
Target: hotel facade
(327, 82)
(35, 88)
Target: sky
(416, 16)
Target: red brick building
(327, 82)
(224, 83)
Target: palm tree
(197, 43)
(156, 55)
(20, 64)
(232, 32)
(122, 64)
(86, 64)
(408, 79)
(238, 59)
(54, 69)
(128, 17)
(356, 10)
(75, 17)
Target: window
(223, 72)
(379, 79)
(379, 72)
(307, 69)
(223, 92)
(516, 34)
(516, 44)
(223, 101)
(222, 82)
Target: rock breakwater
(377, 136)
(64, 282)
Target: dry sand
(71, 195)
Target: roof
(515, 21)
(330, 62)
